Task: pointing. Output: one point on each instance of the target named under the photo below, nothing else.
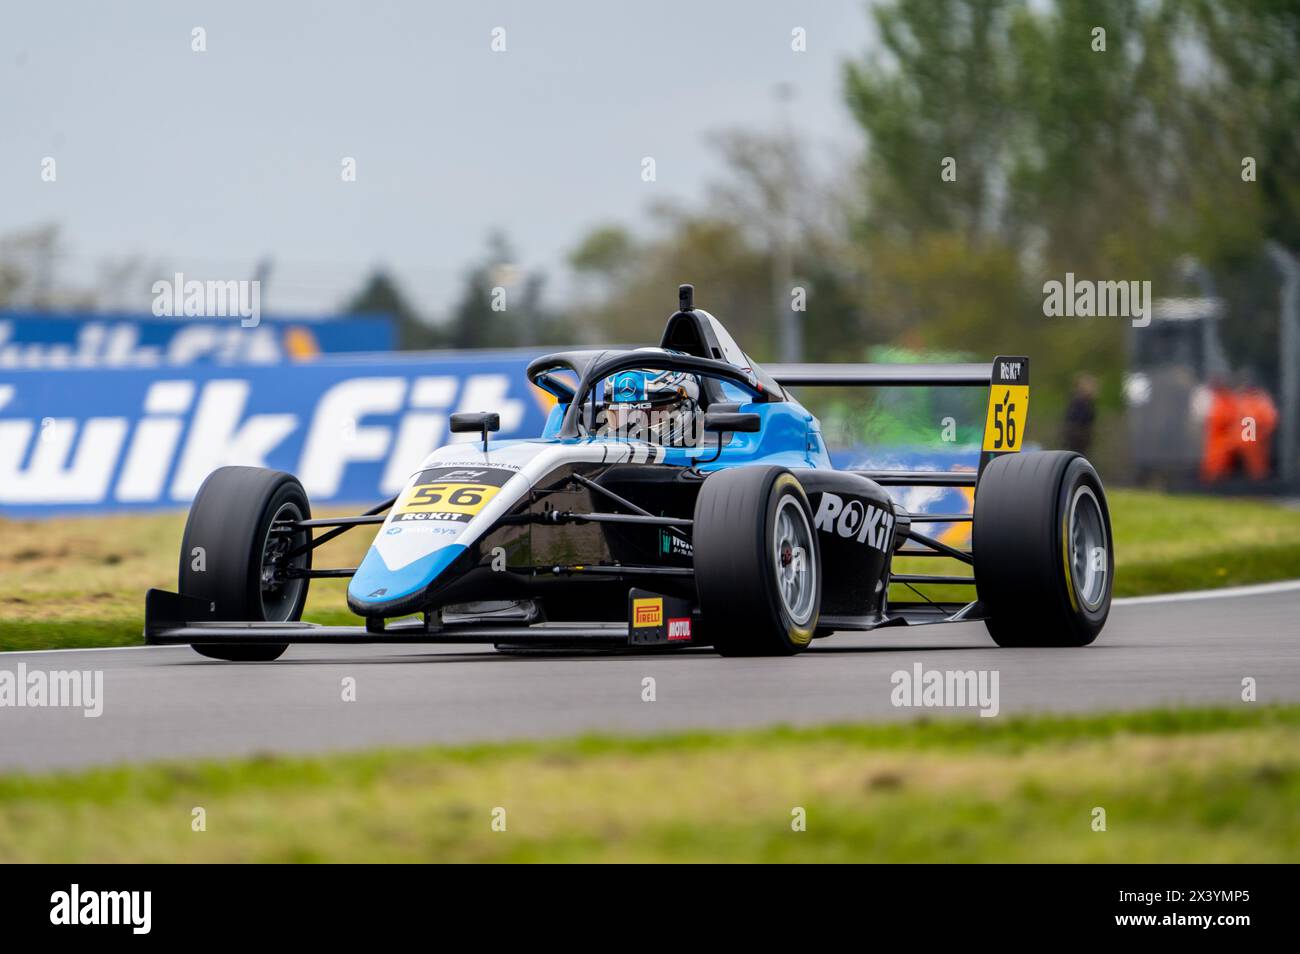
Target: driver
(656, 406)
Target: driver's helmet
(659, 406)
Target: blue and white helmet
(651, 389)
(668, 401)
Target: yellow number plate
(466, 499)
(1008, 411)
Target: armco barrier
(351, 428)
(40, 340)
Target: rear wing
(1007, 379)
(882, 375)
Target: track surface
(162, 703)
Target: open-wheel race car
(678, 496)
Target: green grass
(81, 582)
(1209, 785)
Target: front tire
(233, 555)
(757, 562)
(1044, 558)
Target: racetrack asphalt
(168, 702)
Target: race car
(677, 496)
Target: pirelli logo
(647, 613)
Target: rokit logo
(855, 520)
(443, 516)
(76, 907)
(1010, 372)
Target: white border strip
(1260, 589)
(84, 649)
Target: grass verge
(1204, 785)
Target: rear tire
(1044, 558)
(757, 562)
(229, 554)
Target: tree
(726, 247)
(1009, 142)
(1255, 100)
(502, 307)
(381, 295)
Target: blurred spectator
(1222, 431)
(1080, 414)
(1256, 407)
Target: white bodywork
(530, 460)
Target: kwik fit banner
(42, 340)
(351, 428)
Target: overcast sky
(211, 160)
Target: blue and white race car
(679, 495)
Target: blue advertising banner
(44, 340)
(352, 429)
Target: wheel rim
(1089, 548)
(280, 594)
(795, 561)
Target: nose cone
(375, 590)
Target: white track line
(87, 649)
(1260, 589)
(1228, 592)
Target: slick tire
(757, 562)
(1044, 556)
(229, 552)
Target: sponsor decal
(679, 629)
(351, 430)
(78, 340)
(648, 612)
(1008, 409)
(1011, 372)
(445, 498)
(855, 520)
(670, 544)
(479, 465)
(444, 516)
(450, 494)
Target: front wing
(173, 619)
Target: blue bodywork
(789, 436)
